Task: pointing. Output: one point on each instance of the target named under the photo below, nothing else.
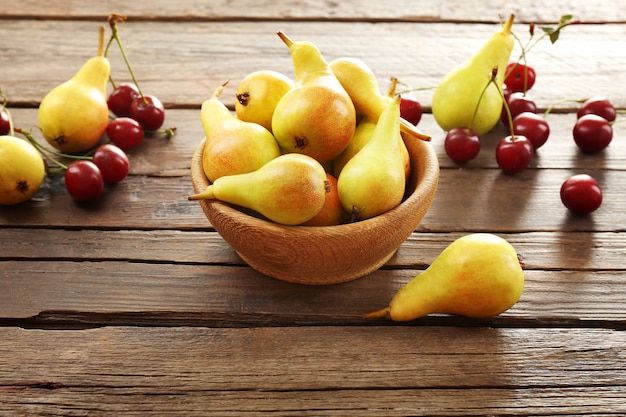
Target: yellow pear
(478, 275)
(373, 181)
(316, 117)
(362, 135)
(22, 170)
(232, 146)
(258, 94)
(456, 98)
(358, 79)
(74, 115)
(290, 189)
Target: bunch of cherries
(133, 115)
(592, 133)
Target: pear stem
(378, 314)
(285, 38)
(207, 194)
(101, 41)
(218, 91)
(392, 88)
(508, 24)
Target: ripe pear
(373, 181)
(22, 170)
(332, 211)
(74, 115)
(289, 190)
(258, 94)
(358, 79)
(478, 275)
(457, 96)
(316, 117)
(362, 135)
(232, 146)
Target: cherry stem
(46, 152)
(492, 79)
(565, 100)
(509, 116)
(113, 20)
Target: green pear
(258, 94)
(232, 146)
(74, 115)
(458, 95)
(289, 190)
(361, 84)
(478, 275)
(373, 181)
(316, 117)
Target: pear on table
(316, 117)
(462, 92)
(74, 115)
(478, 275)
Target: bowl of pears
(313, 181)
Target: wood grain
(183, 64)
(303, 371)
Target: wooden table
(136, 306)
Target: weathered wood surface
(328, 371)
(136, 306)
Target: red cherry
(5, 124)
(592, 133)
(581, 194)
(113, 163)
(533, 127)
(600, 106)
(514, 153)
(120, 99)
(83, 181)
(462, 145)
(148, 111)
(519, 77)
(410, 109)
(125, 132)
(518, 103)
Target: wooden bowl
(319, 255)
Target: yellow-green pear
(478, 275)
(258, 94)
(74, 115)
(362, 134)
(22, 170)
(458, 94)
(232, 146)
(290, 189)
(316, 117)
(373, 181)
(359, 80)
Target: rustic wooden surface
(136, 306)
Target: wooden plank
(183, 63)
(411, 10)
(90, 294)
(490, 200)
(304, 371)
(539, 250)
